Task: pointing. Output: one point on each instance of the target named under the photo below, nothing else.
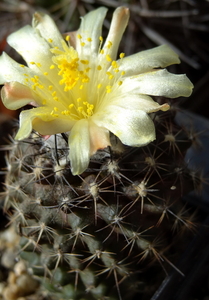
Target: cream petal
(79, 144)
(15, 95)
(91, 27)
(47, 29)
(99, 137)
(144, 61)
(36, 52)
(43, 122)
(25, 124)
(158, 83)
(57, 125)
(12, 71)
(117, 28)
(134, 102)
(133, 128)
(32, 47)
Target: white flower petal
(36, 52)
(158, 83)
(99, 137)
(84, 140)
(144, 61)
(32, 47)
(79, 144)
(25, 122)
(56, 125)
(133, 128)
(47, 29)
(134, 102)
(91, 27)
(15, 95)
(11, 70)
(43, 122)
(117, 28)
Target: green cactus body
(100, 235)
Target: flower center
(71, 69)
(78, 85)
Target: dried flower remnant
(78, 86)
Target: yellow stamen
(85, 62)
(109, 45)
(108, 58)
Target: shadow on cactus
(96, 174)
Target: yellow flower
(77, 85)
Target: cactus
(96, 226)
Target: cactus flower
(77, 84)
